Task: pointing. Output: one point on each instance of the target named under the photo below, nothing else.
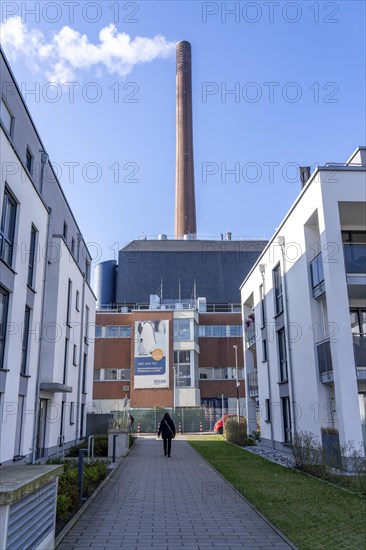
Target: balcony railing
(359, 348)
(253, 384)
(325, 365)
(250, 334)
(317, 275)
(355, 257)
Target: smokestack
(185, 204)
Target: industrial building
(168, 323)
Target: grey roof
(216, 267)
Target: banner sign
(151, 366)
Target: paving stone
(152, 503)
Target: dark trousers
(167, 445)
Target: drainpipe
(37, 392)
(281, 242)
(81, 358)
(262, 269)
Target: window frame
(25, 341)
(9, 131)
(3, 323)
(282, 355)
(8, 199)
(32, 256)
(29, 160)
(278, 289)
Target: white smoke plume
(69, 51)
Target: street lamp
(237, 383)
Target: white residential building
(46, 303)
(304, 311)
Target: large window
(7, 228)
(182, 365)
(282, 355)
(113, 331)
(25, 340)
(277, 283)
(220, 331)
(286, 416)
(6, 118)
(4, 300)
(32, 253)
(104, 375)
(183, 330)
(69, 296)
(220, 373)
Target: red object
(219, 426)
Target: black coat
(166, 429)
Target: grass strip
(312, 514)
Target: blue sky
(298, 71)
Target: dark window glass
(282, 355)
(4, 300)
(29, 161)
(7, 228)
(277, 280)
(32, 253)
(25, 339)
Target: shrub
(236, 433)
(307, 452)
(100, 447)
(64, 506)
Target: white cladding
(332, 201)
(31, 400)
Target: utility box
(28, 498)
(121, 438)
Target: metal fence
(186, 420)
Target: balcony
(325, 358)
(250, 333)
(253, 384)
(325, 365)
(317, 276)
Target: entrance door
(42, 424)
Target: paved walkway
(156, 502)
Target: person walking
(167, 431)
(131, 422)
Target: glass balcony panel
(355, 257)
(324, 357)
(359, 348)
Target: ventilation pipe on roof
(304, 175)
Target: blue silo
(105, 283)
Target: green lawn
(312, 514)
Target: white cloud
(70, 51)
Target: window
(29, 160)
(86, 332)
(267, 406)
(62, 420)
(263, 306)
(96, 374)
(264, 351)
(114, 331)
(19, 428)
(4, 301)
(277, 283)
(110, 374)
(64, 232)
(7, 228)
(72, 246)
(25, 339)
(72, 413)
(32, 253)
(182, 366)
(98, 331)
(124, 374)
(6, 118)
(65, 360)
(282, 355)
(77, 299)
(183, 330)
(220, 331)
(286, 416)
(75, 356)
(82, 415)
(85, 362)
(68, 312)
